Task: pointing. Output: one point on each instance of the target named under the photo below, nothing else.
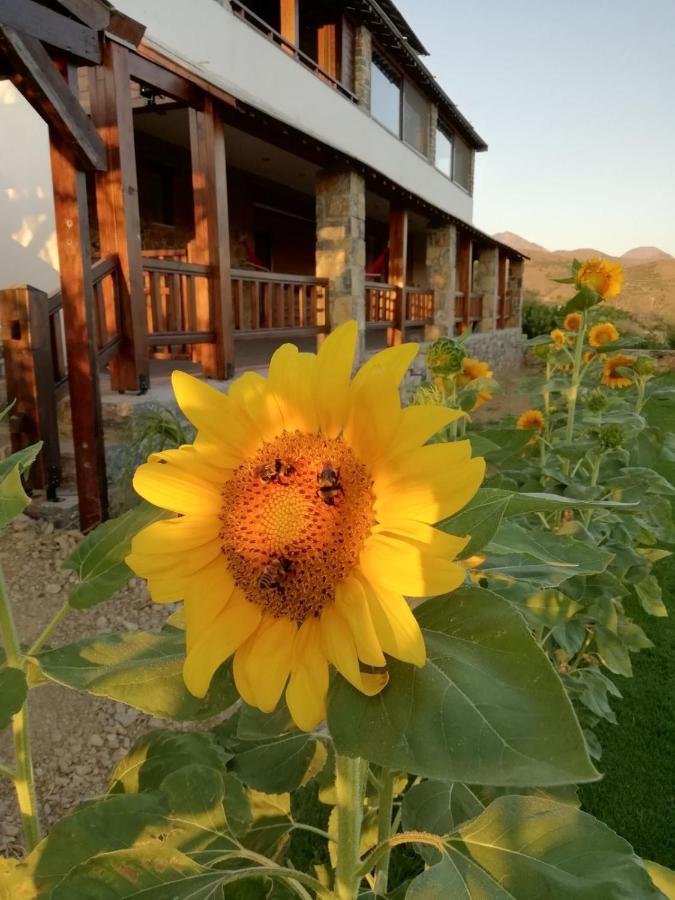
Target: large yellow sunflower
(611, 377)
(472, 370)
(602, 333)
(304, 519)
(602, 276)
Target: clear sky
(576, 101)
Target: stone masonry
(486, 282)
(504, 349)
(441, 273)
(341, 245)
(363, 55)
(514, 289)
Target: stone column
(514, 292)
(341, 245)
(442, 277)
(486, 282)
(363, 57)
(433, 125)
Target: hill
(649, 288)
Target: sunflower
(589, 356)
(472, 370)
(560, 339)
(304, 515)
(602, 276)
(531, 418)
(573, 321)
(611, 377)
(602, 333)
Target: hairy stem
(50, 629)
(406, 837)
(576, 379)
(24, 778)
(384, 816)
(350, 780)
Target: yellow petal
(422, 463)
(205, 596)
(418, 424)
(214, 468)
(340, 648)
(177, 490)
(235, 623)
(427, 538)
(308, 685)
(167, 588)
(179, 563)
(219, 420)
(431, 498)
(373, 417)
(239, 672)
(394, 360)
(267, 661)
(333, 370)
(351, 603)
(398, 565)
(254, 396)
(292, 381)
(396, 626)
(176, 535)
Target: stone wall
(503, 349)
(441, 275)
(363, 55)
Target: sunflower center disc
(294, 520)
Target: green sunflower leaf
(13, 691)
(487, 708)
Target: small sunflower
(589, 356)
(531, 418)
(602, 276)
(472, 370)
(560, 339)
(304, 519)
(611, 377)
(602, 333)
(573, 321)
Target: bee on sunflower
(304, 518)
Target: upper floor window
(385, 95)
(415, 119)
(462, 163)
(443, 159)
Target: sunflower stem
(350, 781)
(574, 388)
(50, 629)
(384, 828)
(24, 778)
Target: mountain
(649, 287)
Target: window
(462, 163)
(443, 159)
(385, 96)
(415, 119)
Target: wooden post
(212, 237)
(464, 274)
(119, 220)
(27, 350)
(72, 235)
(289, 21)
(398, 262)
(327, 48)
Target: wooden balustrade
(171, 306)
(468, 309)
(385, 310)
(382, 305)
(276, 305)
(419, 307)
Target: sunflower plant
(345, 624)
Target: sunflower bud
(596, 402)
(427, 394)
(645, 365)
(610, 437)
(444, 357)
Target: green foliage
(539, 317)
(13, 691)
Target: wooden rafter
(93, 13)
(58, 31)
(41, 83)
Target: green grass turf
(637, 795)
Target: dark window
(415, 119)
(462, 162)
(385, 96)
(443, 159)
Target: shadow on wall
(28, 252)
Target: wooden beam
(125, 28)
(119, 221)
(58, 31)
(168, 83)
(41, 83)
(398, 264)
(288, 21)
(93, 13)
(170, 65)
(212, 239)
(72, 234)
(327, 43)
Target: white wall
(28, 252)
(214, 42)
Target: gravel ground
(77, 738)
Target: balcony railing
(289, 47)
(468, 309)
(269, 304)
(384, 308)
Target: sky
(576, 101)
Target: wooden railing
(177, 306)
(504, 310)
(278, 305)
(266, 29)
(383, 303)
(385, 310)
(468, 309)
(419, 307)
(34, 347)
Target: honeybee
(274, 574)
(272, 473)
(329, 484)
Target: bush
(539, 317)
